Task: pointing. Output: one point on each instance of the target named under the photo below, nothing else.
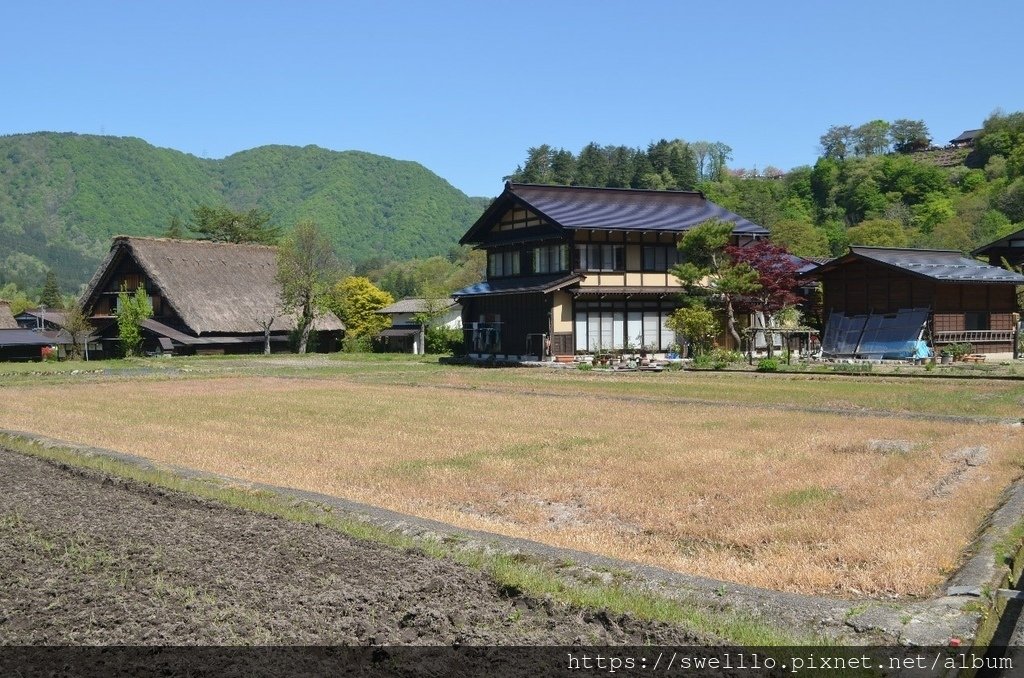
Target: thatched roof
(214, 287)
(7, 321)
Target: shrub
(444, 340)
(584, 366)
(354, 344)
(768, 365)
(718, 359)
(855, 368)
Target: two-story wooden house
(581, 269)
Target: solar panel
(875, 335)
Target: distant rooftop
(967, 136)
(937, 265)
(415, 305)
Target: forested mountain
(62, 197)
(876, 184)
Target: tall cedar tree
(50, 296)
(708, 274)
(306, 269)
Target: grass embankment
(519, 574)
(815, 503)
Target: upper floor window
(596, 257)
(551, 259)
(660, 257)
(500, 264)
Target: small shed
(405, 334)
(964, 300)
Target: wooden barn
(962, 299)
(207, 297)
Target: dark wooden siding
(519, 314)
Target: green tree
(175, 230)
(563, 167)
(224, 225)
(356, 301)
(909, 135)
(837, 142)
(800, 238)
(537, 168)
(78, 327)
(307, 267)
(51, 296)
(592, 166)
(871, 138)
(878, 233)
(683, 167)
(16, 297)
(698, 324)
(708, 274)
(132, 310)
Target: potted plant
(947, 354)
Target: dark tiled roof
(1001, 243)
(22, 337)
(579, 207)
(518, 285)
(966, 135)
(415, 305)
(938, 265)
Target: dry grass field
(798, 501)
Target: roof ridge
(903, 249)
(191, 241)
(512, 185)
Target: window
(977, 321)
(659, 257)
(500, 264)
(615, 325)
(601, 257)
(551, 259)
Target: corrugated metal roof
(416, 305)
(939, 265)
(619, 209)
(517, 285)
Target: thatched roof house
(7, 321)
(207, 296)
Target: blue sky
(466, 87)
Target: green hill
(62, 197)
